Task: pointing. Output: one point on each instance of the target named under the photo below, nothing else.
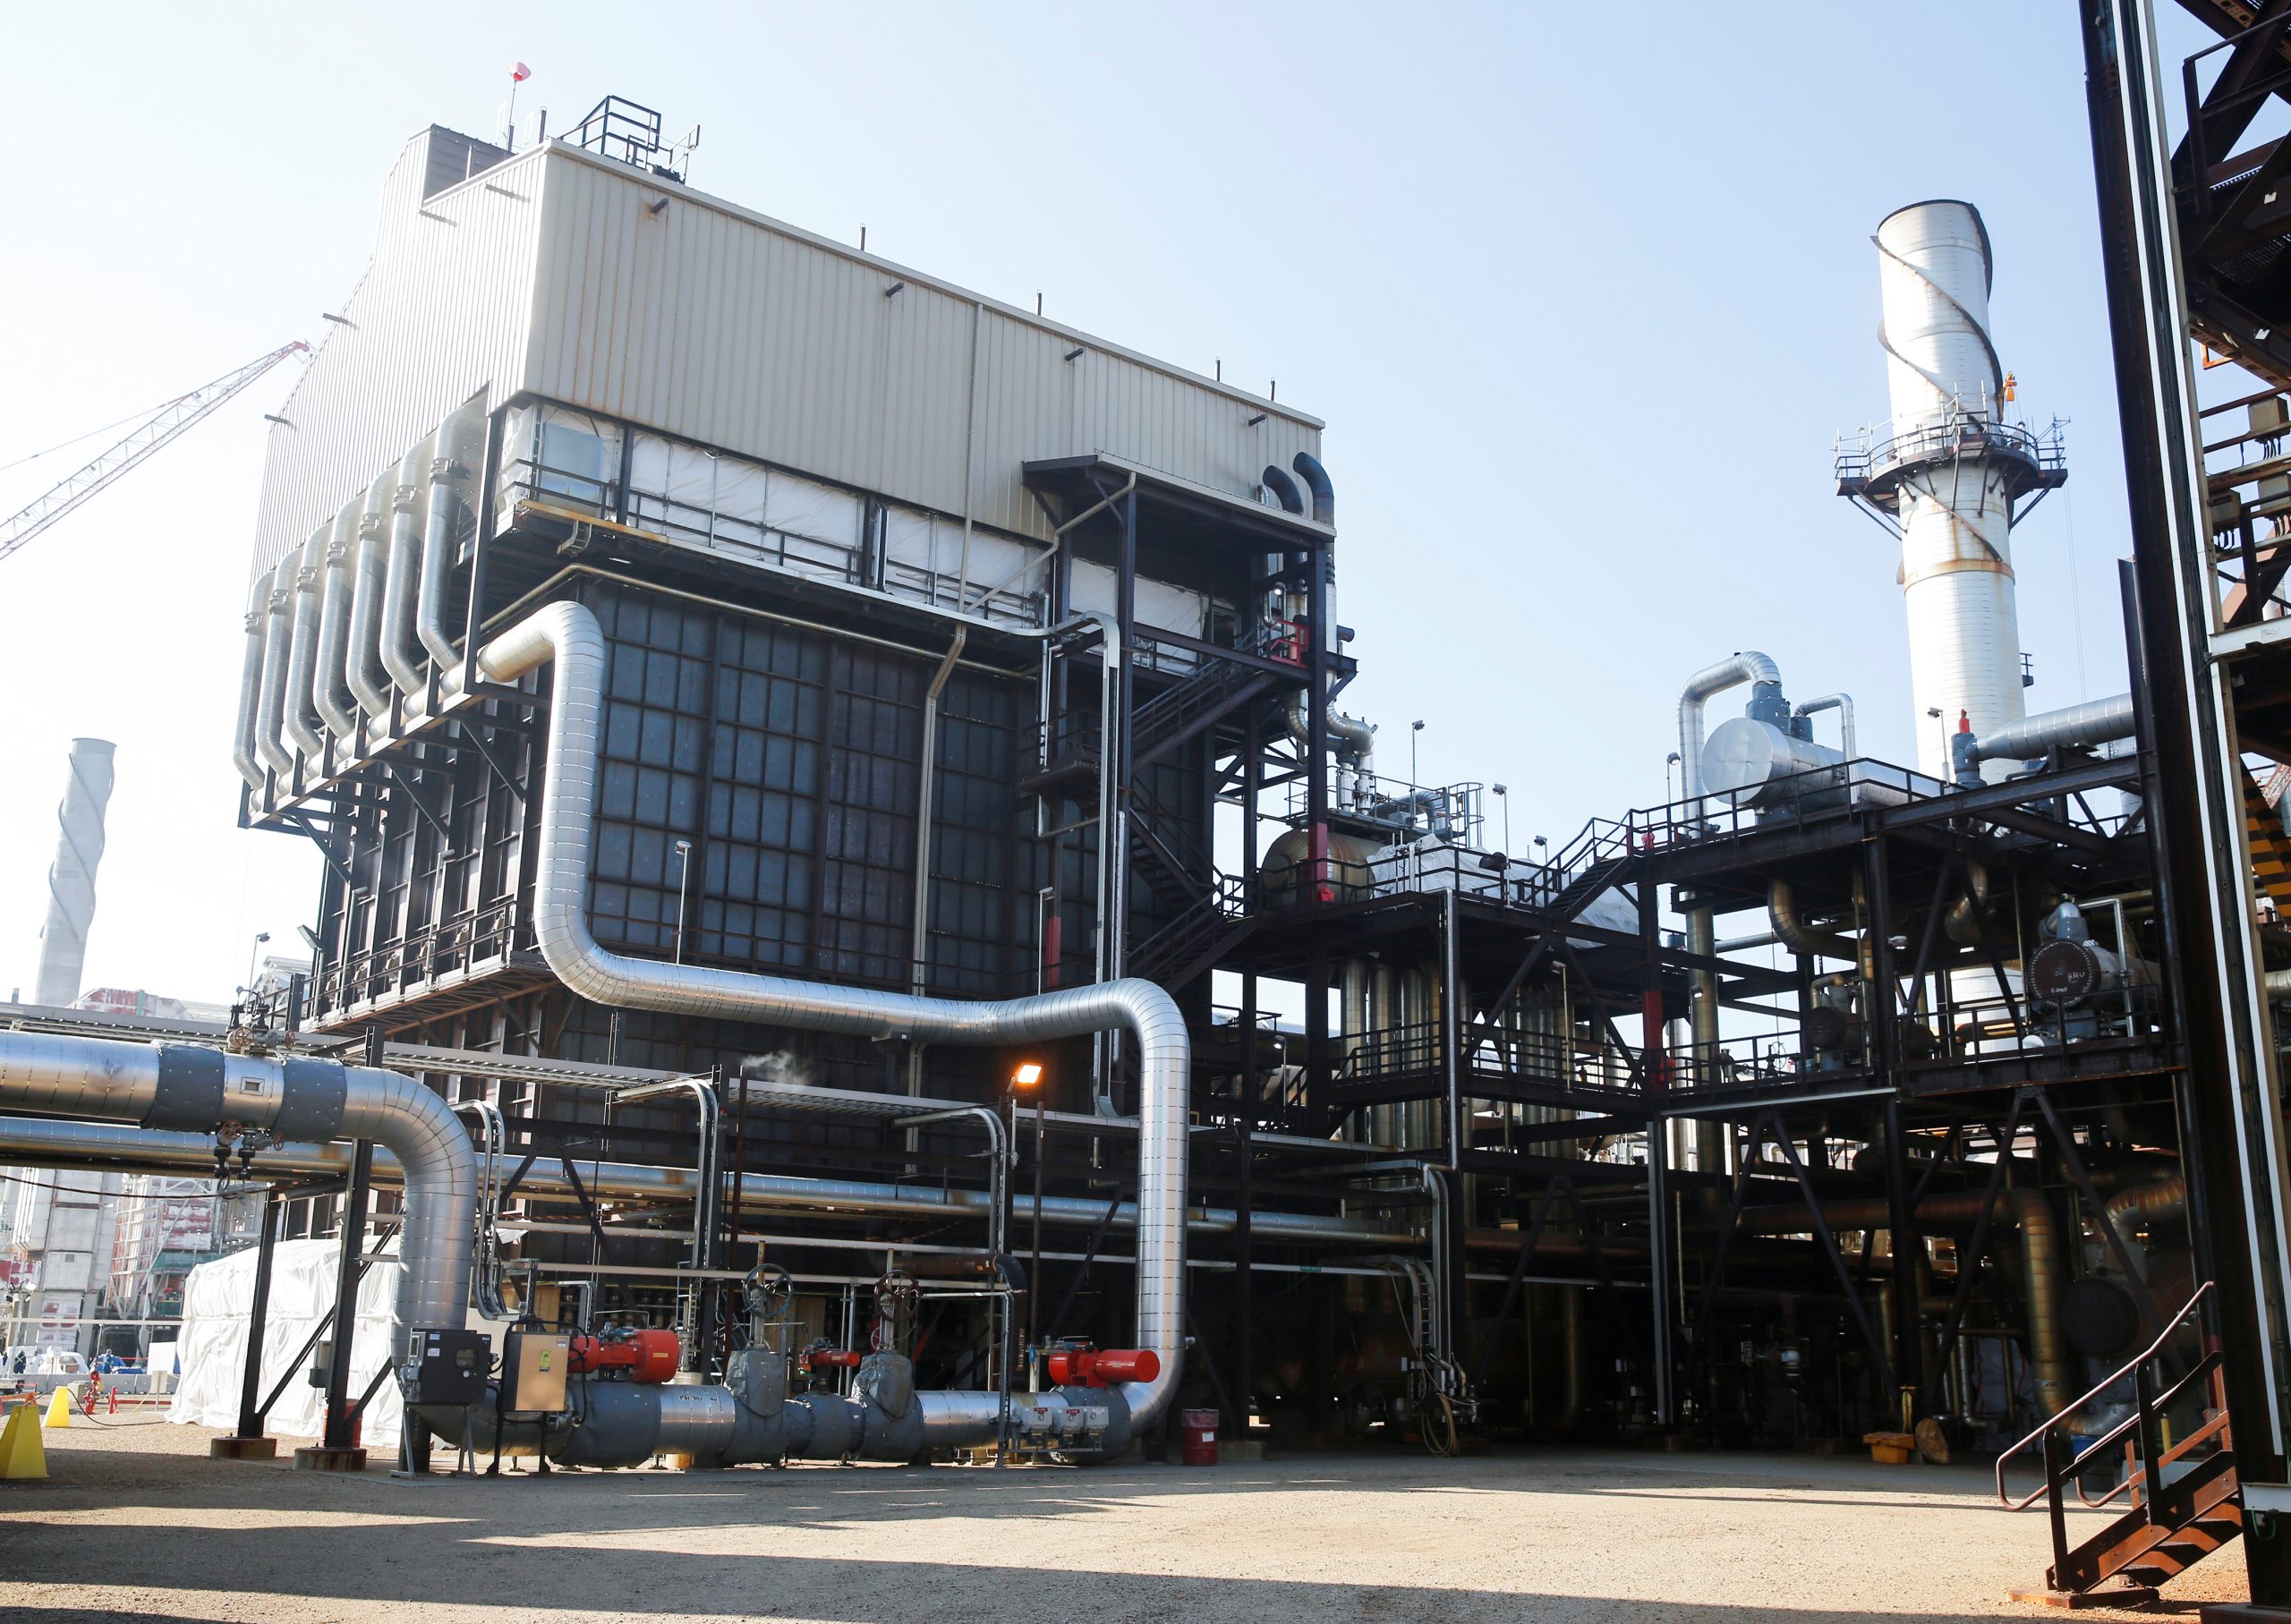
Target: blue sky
(1583, 310)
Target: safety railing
(2140, 1425)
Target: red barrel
(1198, 1431)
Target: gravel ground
(134, 1522)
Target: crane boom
(140, 442)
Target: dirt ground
(134, 1522)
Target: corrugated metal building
(783, 474)
(569, 276)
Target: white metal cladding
(439, 316)
(552, 274)
(707, 321)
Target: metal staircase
(1196, 939)
(1587, 867)
(1175, 715)
(2182, 1494)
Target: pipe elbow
(1283, 489)
(1316, 477)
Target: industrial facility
(862, 922)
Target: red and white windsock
(519, 72)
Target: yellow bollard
(59, 1408)
(22, 1454)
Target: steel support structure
(2203, 881)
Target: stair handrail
(2121, 1427)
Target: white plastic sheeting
(1162, 607)
(218, 1306)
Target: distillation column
(1949, 474)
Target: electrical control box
(453, 1365)
(533, 1367)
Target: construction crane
(146, 437)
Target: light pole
(1027, 1080)
(260, 937)
(684, 872)
(1669, 761)
(1935, 712)
(1504, 795)
(1413, 729)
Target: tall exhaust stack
(1949, 475)
(71, 877)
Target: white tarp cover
(218, 1302)
(1159, 605)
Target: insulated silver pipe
(71, 876)
(2095, 722)
(362, 661)
(460, 448)
(278, 637)
(1843, 703)
(244, 740)
(31, 1142)
(302, 718)
(565, 635)
(195, 1092)
(1749, 666)
(401, 651)
(329, 696)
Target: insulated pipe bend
(401, 651)
(1801, 938)
(329, 696)
(277, 655)
(1749, 666)
(1843, 703)
(565, 635)
(460, 446)
(301, 719)
(2027, 1210)
(245, 742)
(188, 1089)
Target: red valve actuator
(1101, 1366)
(833, 1358)
(647, 1356)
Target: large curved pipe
(277, 653)
(175, 1088)
(1794, 933)
(1316, 477)
(245, 741)
(301, 717)
(400, 648)
(460, 446)
(2039, 1259)
(361, 660)
(565, 636)
(1843, 703)
(1283, 489)
(329, 696)
(1749, 666)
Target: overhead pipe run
(2100, 721)
(363, 670)
(33, 1142)
(187, 1089)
